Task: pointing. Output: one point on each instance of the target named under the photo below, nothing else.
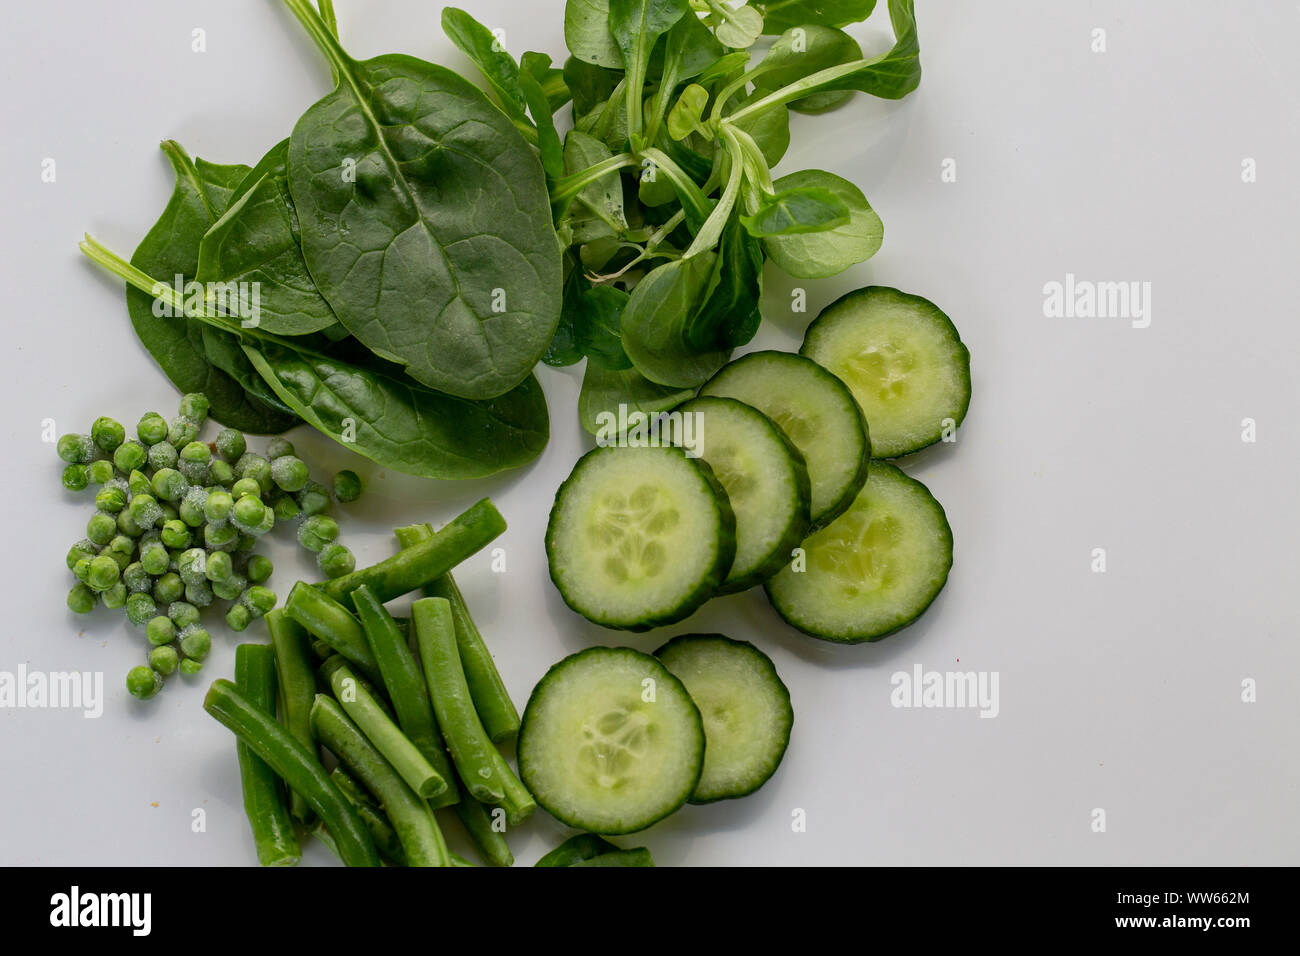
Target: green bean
(298, 766)
(517, 801)
(390, 848)
(491, 699)
(296, 673)
(405, 684)
(334, 624)
(471, 751)
(264, 799)
(332, 660)
(387, 738)
(411, 817)
(638, 856)
(580, 846)
(490, 842)
(415, 567)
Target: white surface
(1118, 690)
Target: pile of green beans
(407, 726)
(176, 523)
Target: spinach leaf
(816, 48)
(587, 34)
(685, 116)
(637, 25)
(256, 241)
(603, 198)
(425, 221)
(401, 425)
(730, 315)
(659, 311)
(548, 140)
(604, 390)
(770, 129)
(224, 350)
(566, 346)
(599, 323)
(791, 211)
(171, 248)
(497, 66)
(590, 86)
(816, 255)
(738, 27)
(781, 15)
(549, 78)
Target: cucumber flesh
(818, 414)
(610, 741)
(873, 570)
(639, 537)
(765, 479)
(745, 708)
(902, 358)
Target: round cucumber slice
(872, 571)
(904, 361)
(818, 414)
(765, 480)
(745, 707)
(610, 741)
(639, 537)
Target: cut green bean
(386, 736)
(376, 691)
(471, 750)
(298, 767)
(491, 699)
(411, 817)
(490, 842)
(296, 673)
(405, 684)
(517, 802)
(264, 797)
(385, 837)
(580, 846)
(638, 856)
(334, 624)
(412, 568)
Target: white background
(1119, 691)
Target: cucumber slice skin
(883, 472)
(679, 649)
(705, 586)
(817, 346)
(751, 363)
(690, 749)
(800, 518)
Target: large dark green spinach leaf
(425, 221)
(171, 248)
(400, 424)
(256, 241)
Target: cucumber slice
(904, 361)
(875, 569)
(766, 483)
(639, 537)
(745, 708)
(818, 414)
(599, 755)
